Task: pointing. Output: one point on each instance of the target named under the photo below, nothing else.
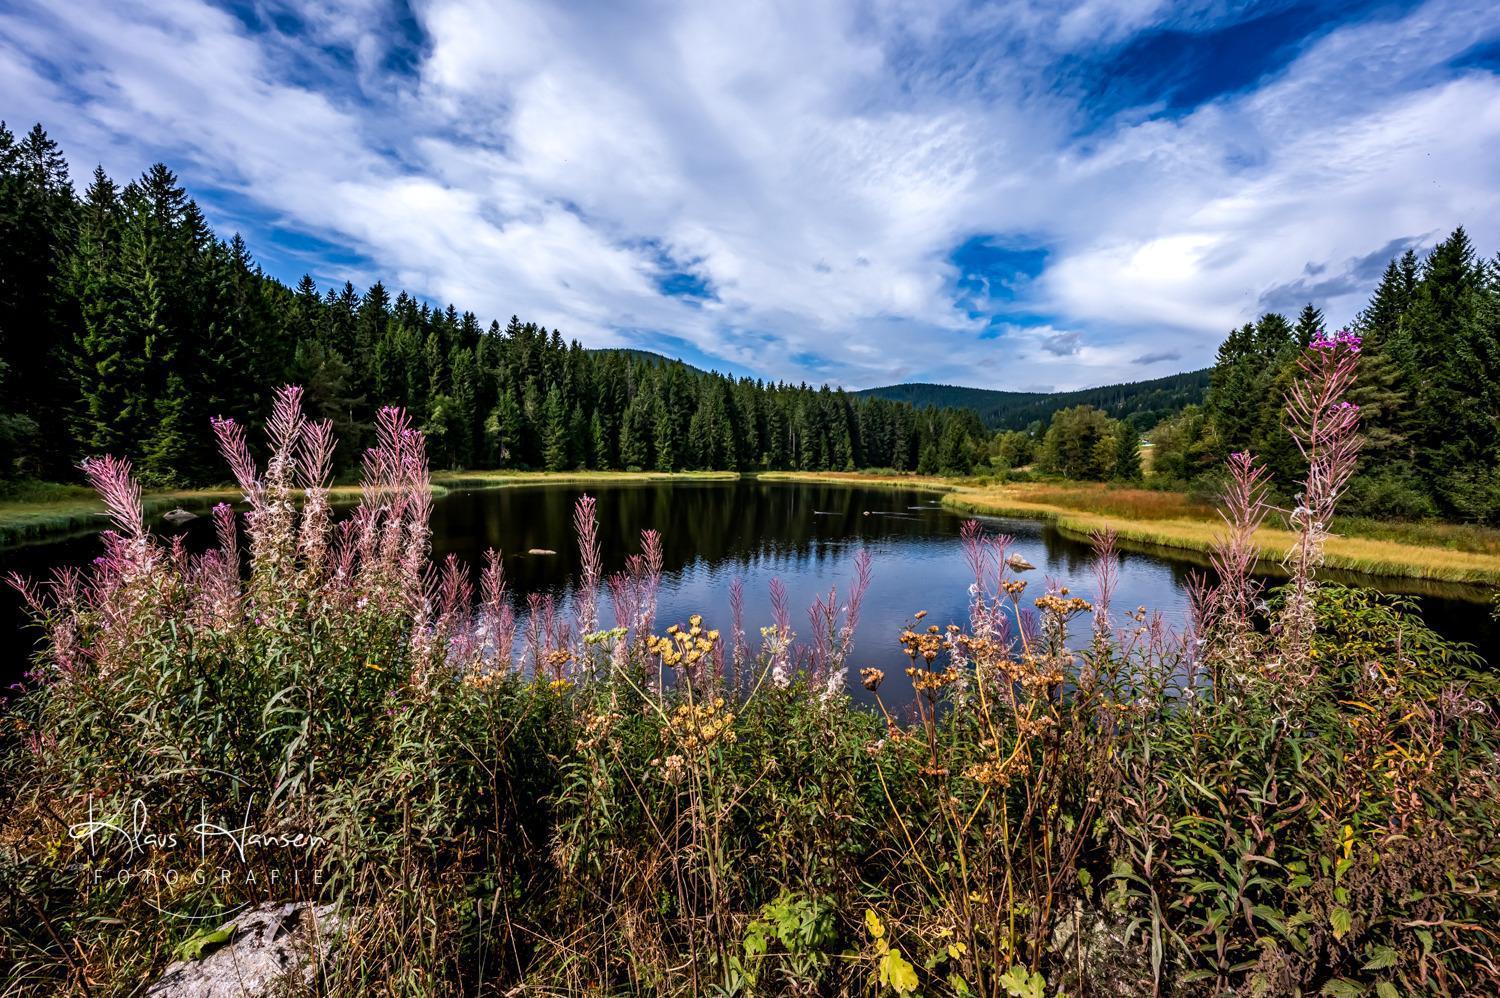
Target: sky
(1028, 195)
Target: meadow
(1172, 520)
(1296, 794)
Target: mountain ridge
(1143, 402)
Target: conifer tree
(555, 431)
(1127, 458)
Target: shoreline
(1190, 531)
(77, 511)
(1362, 556)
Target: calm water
(714, 532)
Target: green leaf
(1018, 983)
(199, 942)
(1385, 989)
(1382, 958)
(755, 941)
(872, 922)
(1341, 921)
(1342, 987)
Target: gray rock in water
(179, 515)
(1019, 564)
(269, 948)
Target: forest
(1428, 392)
(126, 324)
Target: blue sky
(1036, 194)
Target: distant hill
(1144, 402)
(648, 357)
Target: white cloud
(815, 164)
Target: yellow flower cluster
(684, 647)
(925, 681)
(696, 727)
(481, 680)
(1058, 603)
(558, 659)
(926, 644)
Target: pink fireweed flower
(1343, 338)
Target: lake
(805, 535)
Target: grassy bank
(1174, 521)
(48, 510)
(1170, 521)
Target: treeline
(1428, 392)
(1143, 403)
(126, 323)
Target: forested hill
(126, 323)
(1143, 403)
(648, 357)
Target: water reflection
(714, 532)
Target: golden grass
(1173, 521)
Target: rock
(1115, 964)
(1019, 564)
(268, 948)
(541, 551)
(179, 515)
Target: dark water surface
(805, 535)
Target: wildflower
(991, 773)
(871, 678)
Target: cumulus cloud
(781, 189)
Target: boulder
(264, 950)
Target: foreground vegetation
(1059, 795)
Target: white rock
(270, 946)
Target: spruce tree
(555, 431)
(1127, 457)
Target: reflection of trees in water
(787, 529)
(794, 527)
